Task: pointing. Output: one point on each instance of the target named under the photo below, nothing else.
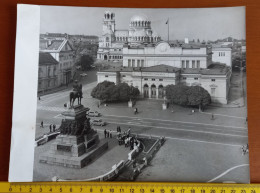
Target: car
(93, 114)
(83, 74)
(97, 122)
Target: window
(153, 79)
(183, 64)
(184, 78)
(142, 63)
(106, 75)
(196, 78)
(123, 76)
(187, 63)
(213, 80)
(193, 63)
(160, 79)
(198, 63)
(133, 63)
(145, 78)
(138, 63)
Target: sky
(193, 23)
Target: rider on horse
(76, 93)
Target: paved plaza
(195, 143)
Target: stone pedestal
(164, 106)
(130, 104)
(78, 144)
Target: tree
(188, 95)
(177, 94)
(198, 96)
(86, 61)
(109, 92)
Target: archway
(153, 91)
(160, 91)
(146, 91)
(105, 57)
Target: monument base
(75, 162)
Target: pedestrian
(110, 134)
(246, 121)
(65, 105)
(119, 129)
(105, 133)
(41, 124)
(50, 127)
(54, 127)
(98, 105)
(212, 116)
(39, 98)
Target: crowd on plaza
(124, 138)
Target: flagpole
(168, 30)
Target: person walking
(119, 129)
(54, 127)
(50, 127)
(105, 133)
(110, 134)
(212, 116)
(41, 124)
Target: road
(223, 136)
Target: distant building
(222, 54)
(47, 72)
(61, 50)
(151, 64)
(112, 40)
(184, 56)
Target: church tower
(108, 34)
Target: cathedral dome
(139, 18)
(139, 33)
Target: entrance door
(160, 90)
(153, 91)
(146, 91)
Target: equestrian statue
(76, 93)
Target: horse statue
(76, 94)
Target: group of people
(108, 134)
(245, 149)
(124, 138)
(52, 127)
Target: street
(212, 146)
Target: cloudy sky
(204, 23)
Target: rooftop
(46, 59)
(213, 69)
(157, 68)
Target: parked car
(97, 122)
(93, 114)
(83, 74)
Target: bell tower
(109, 21)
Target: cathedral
(112, 41)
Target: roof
(55, 45)
(46, 59)
(157, 68)
(213, 69)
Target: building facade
(61, 50)
(47, 72)
(112, 40)
(151, 64)
(222, 54)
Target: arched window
(107, 39)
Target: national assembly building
(150, 64)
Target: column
(150, 91)
(157, 92)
